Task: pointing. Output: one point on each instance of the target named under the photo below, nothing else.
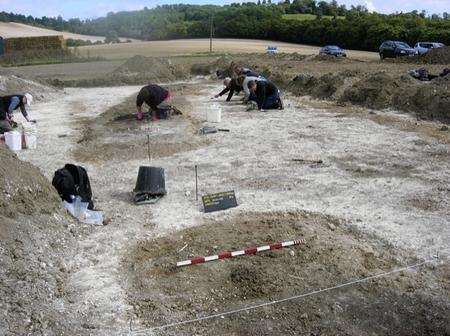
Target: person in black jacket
(266, 95)
(231, 86)
(157, 98)
(8, 104)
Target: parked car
(424, 47)
(393, 49)
(333, 51)
(272, 50)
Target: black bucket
(150, 181)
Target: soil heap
(11, 84)
(35, 246)
(434, 56)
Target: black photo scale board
(220, 201)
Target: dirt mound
(34, 249)
(382, 90)
(11, 84)
(162, 293)
(25, 190)
(327, 86)
(155, 69)
(375, 90)
(434, 56)
(223, 64)
(136, 70)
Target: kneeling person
(8, 104)
(265, 94)
(157, 98)
(231, 86)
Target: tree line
(354, 27)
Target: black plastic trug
(151, 181)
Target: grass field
(193, 46)
(307, 17)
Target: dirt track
(379, 187)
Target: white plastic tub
(214, 116)
(13, 140)
(30, 141)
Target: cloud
(370, 6)
(431, 6)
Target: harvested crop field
(14, 29)
(192, 46)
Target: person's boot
(280, 104)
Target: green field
(307, 17)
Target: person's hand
(216, 96)
(33, 121)
(139, 115)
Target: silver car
(424, 47)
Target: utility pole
(211, 33)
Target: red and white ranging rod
(247, 251)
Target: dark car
(393, 49)
(333, 51)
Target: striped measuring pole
(247, 251)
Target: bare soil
(35, 248)
(12, 84)
(434, 56)
(372, 84)
(367, 189)
(108, 136)
(162, 293)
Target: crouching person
(157, 98)
(265, 94)
(8, 104)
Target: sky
(92, 9)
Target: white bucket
(13, 140)
(29, 128)
(30, 141)
(214, 116)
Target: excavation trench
(356, 188)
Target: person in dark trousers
(266, 95)
(8, 104)
(231, 86)
(157, 98)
